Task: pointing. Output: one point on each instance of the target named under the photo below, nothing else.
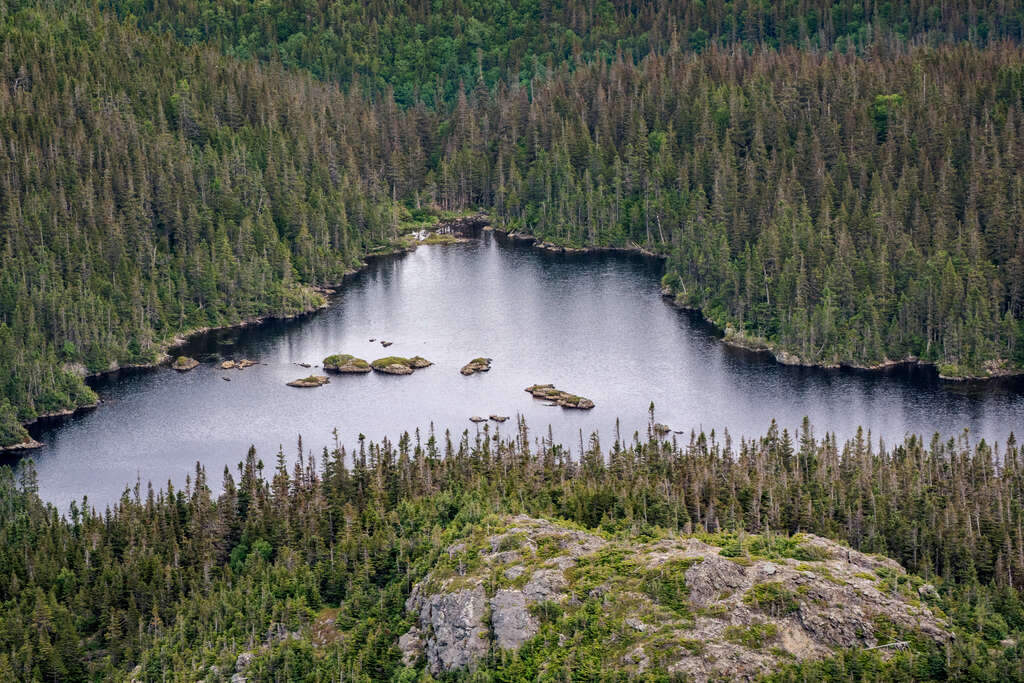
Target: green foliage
(773, 598)
(755, 636)
(428, 51)
(11, 431)
(180, 580)
(666, 585)
(381, 363)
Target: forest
(170, 582)
(836, 182)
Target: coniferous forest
(839, 182)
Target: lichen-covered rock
(244, 661)
(734, 608)
(410, 644)
(456, 632)
(511, 620)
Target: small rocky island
(548, 392)
(237, 365)
(345, 363)
(309, 382)
(396, 365)
(476, 365)
(184, 364)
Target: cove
(592, 324)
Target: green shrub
(755, 636)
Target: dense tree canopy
(838, 181)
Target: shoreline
(480, 221)
(780, 355)
(785, 357)
(183, 337)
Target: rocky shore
(997, 369)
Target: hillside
(681, 606)
(694, 554)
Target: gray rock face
(545, 585)
(456, 633)
(712, 577)
(511, 620)
(802, 608)
(411, 646)
(244, 660)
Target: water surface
(593, 324)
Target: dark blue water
(594, 325)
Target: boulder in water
(184, 364)
(309, 382)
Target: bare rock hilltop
(710, 607)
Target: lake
(594, 325)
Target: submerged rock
(476, 365)
(309, 382)
(558, 397)
(184, 363)
(345, 363)
(244, 363)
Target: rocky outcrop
(477, 418)
(498, 418)
(678, 606)
(346, 364)
(184, 363)
(27, 445)
(476, 365)
(549, 393)
(237, 365)
(396, 365)
(310, 382)
(464, 226)
(454, 623)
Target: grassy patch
(772, 598)
(755, 636)
(382, 363)
(666, 585)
